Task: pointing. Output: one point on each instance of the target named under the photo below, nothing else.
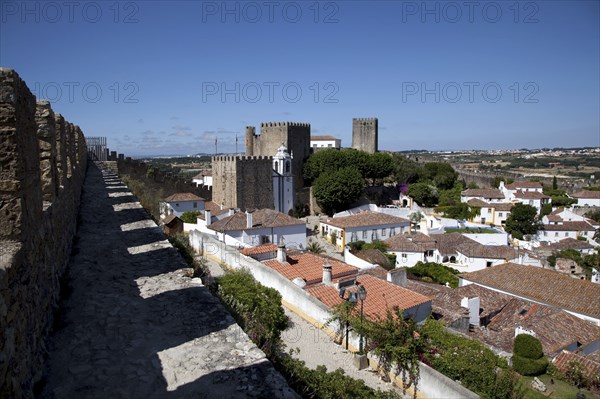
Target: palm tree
(314, 247)
(415, 218)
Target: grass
(477, 230)
(560, 389)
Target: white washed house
(490, 195)
(203, 179)
(560, 230)
(179, 203)
(364, 226)
(262, 226)
(321, 142)
(587, 198)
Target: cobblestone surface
(134, 325)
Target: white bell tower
(283, 181)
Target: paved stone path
(317, 348)
(133, 325)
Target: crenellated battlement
(365, 119)
(237, 158)
(284, 124)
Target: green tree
(496, 181)
(554, 183)
(451, 196)
(190, 216)
(379, 166)
(334, 191)
(594, 215)
(528, 356)
(405, 169)
(314, 247)
(522, 220)
(442, 174)
(459, 211)
(424, 194)
(331, 160)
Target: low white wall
(489, 239)
(355, 261)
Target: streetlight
(352, 298)
(362, 295)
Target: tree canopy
(334, 191)
(522, 220)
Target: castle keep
(365, 133)
(295, 136)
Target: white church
(283, 181)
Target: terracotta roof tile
(318, 138)
(260, 218)
(547, 286)
(591, 367)
(366, 218)
(181, 197)
(309, 267)
(483, 193)
(259, 249)
(569, 226)
(381, 296)
(530, 195)
(567, 243)
(523, 184)
(503, 206)
(587, 194)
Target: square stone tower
(295, 136)
(365, 133)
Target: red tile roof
(319, 138)
(483, 192)
(547, 286)
(530, 195)
(259, 249)
(591, 367)
(381, 296)
(569, 226)
(416, 243)
(567, 243)
(523, 184)
(182, 197)
(587, 194)
(367, 218)
(309, 267)
(261, 218)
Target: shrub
(431, 271)
(527, 346)
(257, 308)
(531, 367)
(190, 216)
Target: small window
(314, 145)
(364, 234)
(393, 231)
(488, 264)
(329, 145)
(566, 233)
(500, 214)
(556, 234)
(176, 204)
(404, 256)
(383, 232)
(195, 205)
(489, 210)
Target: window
(384, 232)
(265, 239)
(566, 233)
(287, 167)
(195, 205)
(364, 234)
(556, 234)
(374, 235)
(488, 264)
(489, 210)
(329, 145)
(392, 231)
(500, 214)
(314, 145)
(404, 257)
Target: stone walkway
(133, 325)
(317, 348)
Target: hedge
(528, 346)
(531, 367)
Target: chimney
(327, 273)
(231, 212)
(281, 253)
(207, 217)
(249, 222)
(397, 276)
(473, 305)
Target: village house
(564, 215)
(509, 190)
(494, 214)
(179, 203)
(587, 198)
(203, 179)
(548, 248)
(364, 226)
(557, 231)
(490, 195)
(533, 198)
(547, 287)
(321, 142)
(262, 226)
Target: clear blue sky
(168, 77)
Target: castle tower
(250, 133)
(294, 136)
(283, 181)
(365, 134)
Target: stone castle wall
(243, 182)
(365, 134)
(43, 160)
(295, 136)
